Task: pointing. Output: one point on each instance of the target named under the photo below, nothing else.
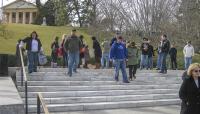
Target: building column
(24, 18)
(17, 17)
(30, 17)
(10, 17)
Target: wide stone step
(106, 105)
(99, 73)
(95, 99)
(95, 70)
(57, 94)
(92, 83)
(109, 78)
(94, 88)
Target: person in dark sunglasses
(189, 92)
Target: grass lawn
(46, 35)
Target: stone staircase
(91, 89)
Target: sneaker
(126, 81)
(116, 79)
(30, 72)
(161, 72)
(130, 78)
(134, 77)
(75, 71)
(69, 74)
(157, 69)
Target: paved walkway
(10, 101)
(174, 109)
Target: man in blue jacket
(118, 54)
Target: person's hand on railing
(21, 44)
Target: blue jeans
(73, 61)
(144, 61)
(159, 61)
(150, 62)
(105, 58)
(32, 61)
(188, 61)
(120, 64)
(65, 59)
(163, 61)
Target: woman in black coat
(190, 91)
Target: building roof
(20, 4)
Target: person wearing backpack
(72, 46)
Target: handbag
(42, 58)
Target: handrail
(24, 80)
(41, 102)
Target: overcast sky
(9, 1)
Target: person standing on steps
(173, 54)
(65, 55)
(17, 54)
(86, 56)
(118, 54)
(132, 60)
(165, 46)
(81, 61)
(72, 46)
(188, 52)
(105, 56)
(158, 66)
(144, 56)
(54, 52)
(150, 56)
(97, 52)
(189, 91)
(33, 47)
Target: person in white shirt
(33, 47)
(188, 52)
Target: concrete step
(106, 105)
(98, 73)
(57, 94)
(91, 83)
(110, 78)
(95, 99)
(94, 88)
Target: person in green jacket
(132, 60)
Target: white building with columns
(19, 11)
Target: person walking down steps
(33, 47)
(118, 54)
(72, 47)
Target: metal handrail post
(38, 104)
(26, 97)
(42, 103)
(22, 76)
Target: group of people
(118, 52)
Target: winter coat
(132, 55)
(165, 46)
(97, 48)
(190, 96)
(118, 51)
(28, 41)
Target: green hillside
(46, 35)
